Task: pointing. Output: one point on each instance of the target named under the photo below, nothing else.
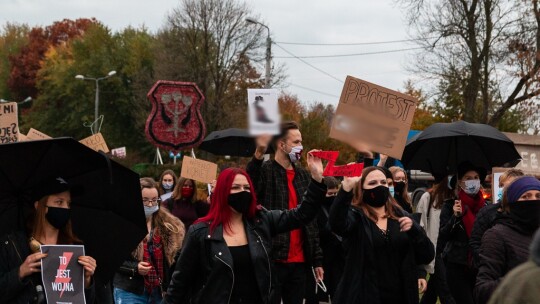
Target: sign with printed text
(199, 170)
(62, 275)
(497, 192)
(9, 123)
(263, 111)
(34, 134)
(375, 115)
(95, 142)
(119, 152)
(332, 170)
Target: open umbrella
(442, 146)
(233, 142)
(107, 216)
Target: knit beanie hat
(520, 186)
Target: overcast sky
(306, 21)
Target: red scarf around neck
(470, 207)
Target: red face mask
(187, 192)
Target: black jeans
(438, 286)
(290, 285)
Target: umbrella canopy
(108, 216)
(441, 147)
(233, 142)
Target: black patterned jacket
(270, 182)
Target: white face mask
(167, 186)
(148, 211)
(295, 153)
(472, 186)
(391, 188)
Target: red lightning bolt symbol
(67, 256)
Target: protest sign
(119, 152)
(62, 275)
(95, 142)
(496, 191)
(332, 170)
(9, 123)
(34, 134)
(375, 115)
(21, 137)
(199, 170)
(263, 111)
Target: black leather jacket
(13, 251)
(204, 271)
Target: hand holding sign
(331, 170)
(262, 142)
(31, 264)
(89, 265)
(315, 165)
(349, 182)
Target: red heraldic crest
(175, 122)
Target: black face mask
(240, 201)
(376, 197)
(526, 214)
(58, 217)
(399, 187)
(329, 200)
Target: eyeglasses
(151, 202)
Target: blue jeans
(125, 297)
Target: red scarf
(470, 207)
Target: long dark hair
(439, 193)
(220, 211)
(391, 204)
(177, 192)
(37, 221)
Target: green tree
(12, 38)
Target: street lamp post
(96, 110)
(268, 51)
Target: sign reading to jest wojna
(378, 116)
(61, 273)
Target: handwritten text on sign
(377, 116)
(95, 142)
(9, 122)
(199, 170)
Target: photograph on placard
(263, 111)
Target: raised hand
(349, 182)
(315, 166)
(262, 142)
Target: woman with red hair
(226, 257)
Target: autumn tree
(208, 42)
(12, 38)
(65, 105)
(482, 54)
(25, 65)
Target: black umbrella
(108, 216)
(233, 142)
(442, 146)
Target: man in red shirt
(280, 184)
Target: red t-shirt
(296, 253)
